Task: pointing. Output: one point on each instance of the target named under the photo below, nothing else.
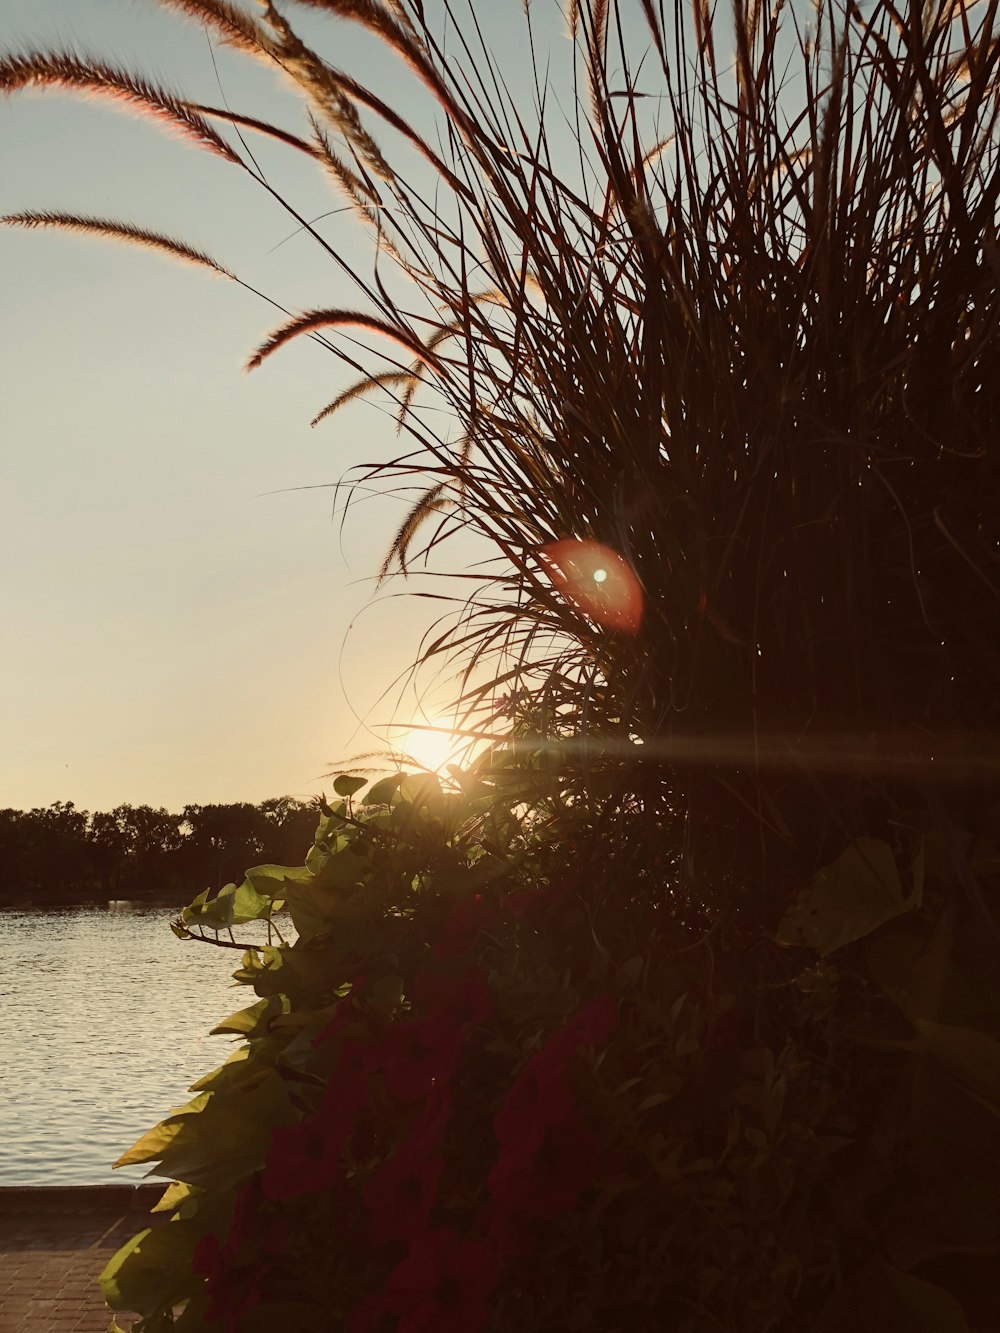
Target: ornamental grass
(679, 1010)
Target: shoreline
(41, 904)
(124, 1195)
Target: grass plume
(69, 73)
(231, 24)
(117, 231)
(324, 319)
(388, 379)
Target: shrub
(482, 1090)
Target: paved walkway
(54, 1243)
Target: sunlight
(433, 745)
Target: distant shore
(39, 902)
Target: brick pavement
(54, 1243)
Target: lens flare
(598, 581)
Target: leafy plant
(715, 1047)
(473, 1093)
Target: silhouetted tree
(139, 851)
(55, 849)
(221, 841)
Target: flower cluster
(236, 1269)
(437, 1277)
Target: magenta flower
(347, 1091)
(403, 1190)
(305, 1158)
(420, 1054)
(365, 1316)
(401, 1194)
(547, 1182)
(534, 1129)
(538, 1099)
(465, 1002)
(444, 1284)
(233, 1289)
(463, 924)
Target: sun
(433, 745)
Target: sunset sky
(175, 630)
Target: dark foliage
(61, 854)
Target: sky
(182, 620)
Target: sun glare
(433, 745)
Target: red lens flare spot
(598, 581)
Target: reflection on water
(104, 1028)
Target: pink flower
(419, 1054)
(541, 1094)
(233, 1287)
(347, 1091)
(538, 1099)
(533, 1127)
(444, 1284)
(402, 1192)
(463, 924)
(348, 1011)
(464, 1003)
(548, 1182)
(365, 1316)
(305, 1158)
(233, 1290)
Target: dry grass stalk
(324, 319)
(93, 77)
(229, 22)
(388, 379)
(118, 231)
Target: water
(103, 1028)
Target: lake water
(103, 1028)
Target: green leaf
(383, 791)
(386, 995)
(251, 1022)
(331, 899)
(881, 1299)
(215, 1149)
(150, 1269)
(262, 888)
(270, 880)
(216, 912)
(345, 785)
(847, 900)
(654, 1099)
(313, 910)
(969, 1058)
(226, 1072)
(249, 904)
(174, 1196)
(345, 870)
(151, 1145)
(253, 963)
(420, 789)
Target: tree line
(136, 851)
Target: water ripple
(105, 1026)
